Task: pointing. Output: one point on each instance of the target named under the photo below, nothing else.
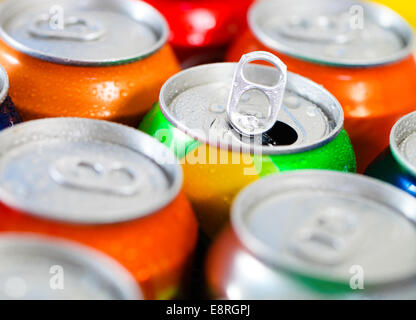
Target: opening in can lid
(85, 171)
(45, 268)
(321, 224)
(403, 142)
(4, 85)
(75, 32)
(195, 101)
(341, 33)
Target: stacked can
(67, 58)
(227, 124)
(45, 268)
(105, 185)
(397, 164)
(202, 29)
(317, 235)
(361, 52)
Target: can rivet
(251, 124)
(73, 28)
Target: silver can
(345, 33)
(45, 268)
(317, 235)
(83, 32)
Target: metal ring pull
(249, 124)
(74, 28)
(325, 29)
(96, 176)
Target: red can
(359, 51)
(106, 186)
(200, 29)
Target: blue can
(397, 164)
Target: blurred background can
(191, 119)
(99, 59)
(361, 52)
(397, 164)
(46, 268)
(105, 185)
(202, 29)
(317, 235)
(8, 113)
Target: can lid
(44, 268)
(342, 33)
(4, 85)
(79, 32)
(403, 142)
(197, 101)
(324, 224)
(85, 171)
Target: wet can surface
(46, 268)
(397, 164)
(201, 29)
(8, 113)
(359, 51)
(67, 58)
(305, 130)
(317, 235)
(405, 8)
(105, 185)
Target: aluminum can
(201, 29)
(397, 164)
(105, 185)
(359, 51)
(45, 268)
(8, 113)
(407, 9)
(317, 235)
(193, 119)
(98, 59)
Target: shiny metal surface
(30, 266)
(85, 171)
(403, 142)
(88, 32)
(341, 33)
(195, 101)
(301, 236)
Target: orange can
(99, 59)
(361, 52)
(106, 186)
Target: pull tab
(327, 238)
(96, 176)
(73, 28)
(325, 29)
(250, 124)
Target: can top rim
(123, 136)
(386, 14)
(102, 265)
(294, 82)
(396, 139)
(347, 183)
(4, 84)
(138, 11)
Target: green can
(231, 124)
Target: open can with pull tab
(316, 235)
(8, 113)
(359, 51)
(105, 185)
(231, 124)
(98, 59)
